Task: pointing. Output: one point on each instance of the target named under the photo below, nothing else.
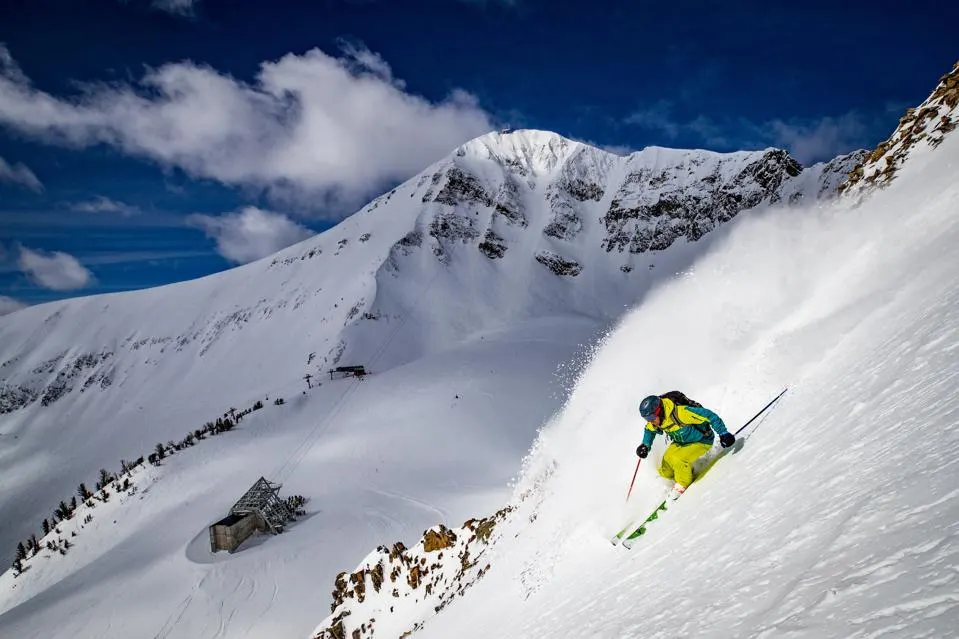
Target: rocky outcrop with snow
(441, 567)
(925, 125)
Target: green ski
(631, 532)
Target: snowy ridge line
(930, 122)
(66, 511)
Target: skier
(691, 430)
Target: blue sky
(149, 141)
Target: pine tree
(63, 511)
(21, 551)
(160, 451)
(34, 544)
(17, 567)
(73, 504)
(46, 527)
(105, 477)
(83, 492)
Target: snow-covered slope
(464, 291)
(838, 515)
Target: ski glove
(642, 451)
(727, 439)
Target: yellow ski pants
(678, 462)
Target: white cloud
(806, 140)
(180, 7)
(19, 174)
(56, 271)
(814, 140)
(657, 117)
(250, 233)
(9, 305)
(101, 204)
(320, 129)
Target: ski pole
(629, 492)
(743, 427)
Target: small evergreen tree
(73, 503)
(17, 567)
(63, 510)
(160, 451)
(46, 527)
(84, 492)
(21, 551)
(34, 544)
(105, 477)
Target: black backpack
(678, 398)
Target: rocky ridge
(928, 123)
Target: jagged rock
(358, 579)
(434, 539)
(583, 191)
(493, 246)
(930, 122)
(413, 579)
(565, 226)
(461, 188)
(452, 226)
(508, 205)
(557, 264)
(376, 576)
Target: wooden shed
(231, 531)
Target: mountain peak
(538, 151)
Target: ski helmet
(650, 407)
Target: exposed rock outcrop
(927, 124)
